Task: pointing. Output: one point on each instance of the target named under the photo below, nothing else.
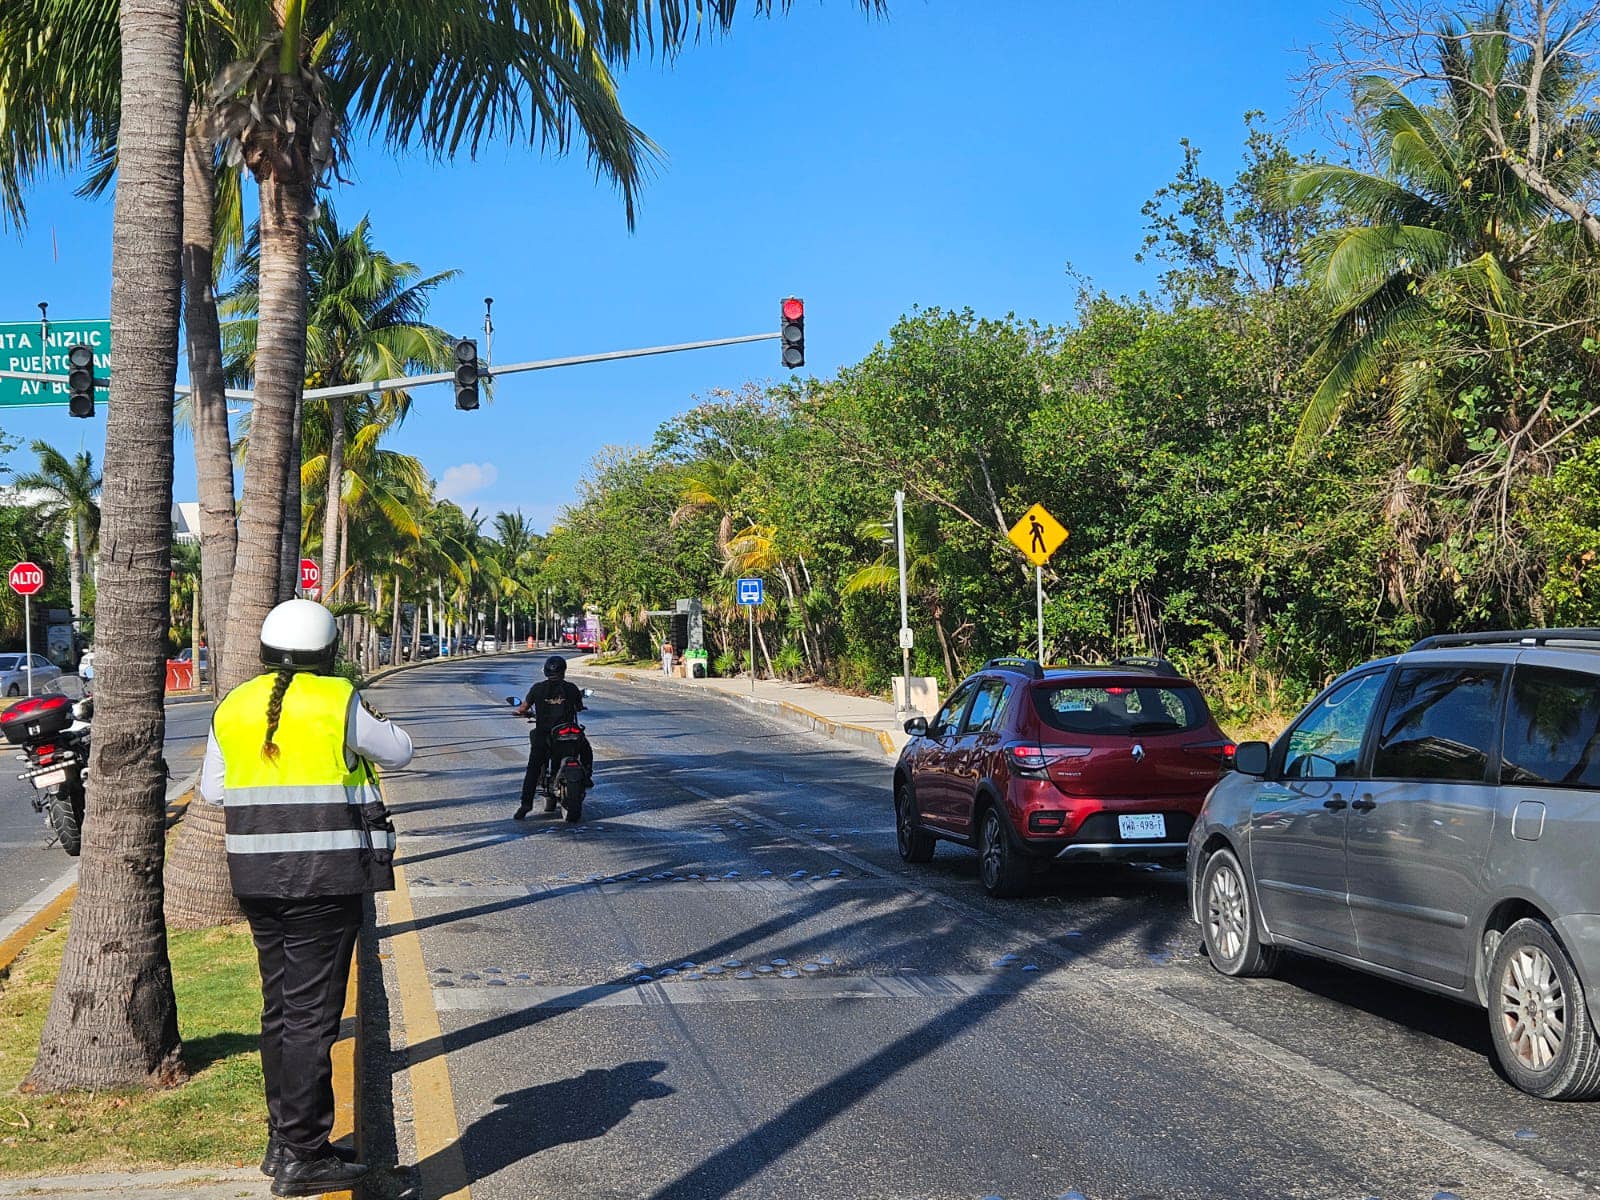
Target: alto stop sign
(26, 578)
(310, 575)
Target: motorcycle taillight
(44, 755)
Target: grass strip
(218, 1118)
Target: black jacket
(554, 702)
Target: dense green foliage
(1353, 414)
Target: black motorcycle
(53, 732)
(564, 781)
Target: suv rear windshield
(1110, 709)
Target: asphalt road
(821, 1021)
(28, 862)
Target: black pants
(539, 755)
(304, 948)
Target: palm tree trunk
(113, 1019)
(75, 564)
(333, 509)
(289, 551)
(394, 622)
(213, 448)
(280, 374)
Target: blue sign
(750, 591)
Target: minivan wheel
(1538, 1017)
(915, 844)
(1000, 863)
(1228, 921)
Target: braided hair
(269, 748)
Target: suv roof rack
(1028, 666)
(1159, 666)
(1508, 637)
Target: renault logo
(1138, 752)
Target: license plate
(1144, 825)
(50, 779)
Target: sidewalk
(864, 721)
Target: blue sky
(953, 154)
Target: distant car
(490, 644)
(468, 643)
(385, 650)
(186, 655)
(14, 674)
(1083, 764)
(427, 646)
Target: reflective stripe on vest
(293, 821)
(282, 843)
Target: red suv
(1083, 763)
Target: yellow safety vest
(308, 823)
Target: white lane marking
(783, 887)
(1348, 1089)
(763, 989)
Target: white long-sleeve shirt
(374, 738)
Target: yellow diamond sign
(1038, 535)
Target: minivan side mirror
(917, 726)
(1252, 758)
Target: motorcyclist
(553, 702)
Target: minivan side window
(1440, 724)
(1326, 744)
(1552, 729)
(987, 707)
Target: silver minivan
(1433, 818)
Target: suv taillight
(1220, 753)
(1027, 760)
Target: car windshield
(1113, 709)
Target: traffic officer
(307, 836)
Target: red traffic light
(794, 309)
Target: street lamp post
(905, 619)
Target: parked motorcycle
(563, 780)
(53, 732)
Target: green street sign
(22, 349)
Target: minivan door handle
(1365, 804)
(1334, 802)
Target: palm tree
(1429, 277)
(365, 322)
(113, 1019)
(63, 112)
(922, 572)
(71, 493)
(422, 79)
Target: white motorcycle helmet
(300, 635)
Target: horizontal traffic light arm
(411, 381)
(544, 364)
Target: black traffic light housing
(467, 374)
(80, 381)
(792, 328)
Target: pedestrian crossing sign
(1038, 535)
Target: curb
(862, 736)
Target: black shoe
(274, 1157)
(522, 811)
(312, 1177)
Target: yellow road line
(345, 1100)
(21, 937)
(433, 1104)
